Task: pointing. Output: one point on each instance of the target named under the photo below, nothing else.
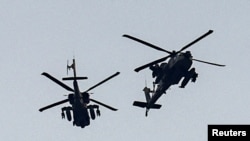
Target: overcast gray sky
(41, 35)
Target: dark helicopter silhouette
(170, 73)
(79, 101)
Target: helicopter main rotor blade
(104, 105)
(195, 41)
(53, 105)
(160, 49)
(117, 73)
(151, 63)
(209, 63)
(146, 43)
(58, 82)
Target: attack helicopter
(167, 74)
(79, 101)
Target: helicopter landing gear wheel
(98, 113)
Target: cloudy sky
(41, 35)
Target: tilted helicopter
(170, 73)
(79, 101)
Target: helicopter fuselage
(172, 72)
(176, 68)
(79, 108)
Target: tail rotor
(69, 66)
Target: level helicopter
(177, 68)
(79, 101)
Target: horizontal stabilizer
(156, 106)
(144, 104)
(75, 78)
(140, 104)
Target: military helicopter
(170, 73)
(79, 101)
